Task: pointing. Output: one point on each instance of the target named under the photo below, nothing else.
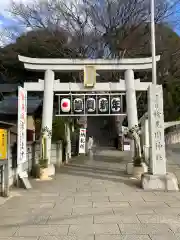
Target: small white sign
(82, 140)
(22, 125)
(127, 147)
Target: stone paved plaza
(91, 199)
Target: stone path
(91, 199)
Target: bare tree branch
(96, 28)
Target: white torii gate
(130, 85)
(49, 84)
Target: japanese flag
(65, 105)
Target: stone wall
(173, 136)
(33, 154)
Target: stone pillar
(68, 142)
(47, 113)
(131, 102)
(68, 132)
(59, 151)
(146, 140)
(157, 178)
(156, 130)
(131, 105)
(146, 129)
(119, 120)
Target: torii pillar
(131, 104)
(47, 112)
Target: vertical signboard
(89, 76)
(82, 140)
(3, 144)
(156, 130)
(22, 125)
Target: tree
(96, 28)
(40, 43)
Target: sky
(3, 15)
(5, 18)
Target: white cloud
(6, 19)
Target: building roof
(8, 88)
(6, 125)
(9, 105)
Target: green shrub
(58, 129)
(43, 162)
(137, 161)
(35, 172)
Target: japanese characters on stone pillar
(156, 130)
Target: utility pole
(153, 43)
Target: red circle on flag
(65, 104)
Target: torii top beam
(54, 64)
